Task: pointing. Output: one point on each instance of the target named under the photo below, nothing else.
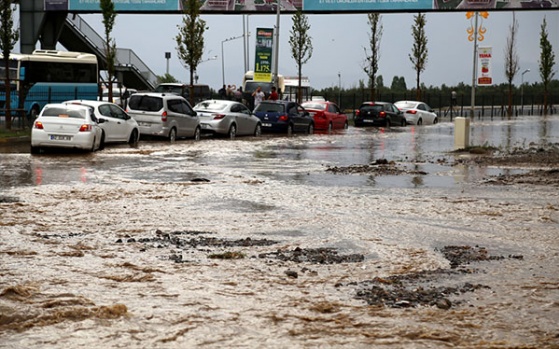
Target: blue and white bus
(49, 76)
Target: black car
(284, 116)
(379, 113)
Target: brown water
(71, 277)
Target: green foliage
(190, 39)
(109, 17)
(419, 53)
(547, 61)
(301, 44)
(167, 78)
(8, 39)
(372, 59)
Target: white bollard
(461, 133)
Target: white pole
(474, 72)
(276, 45)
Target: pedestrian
(258, 96)
(239, 94)
(222, 92)
(273, 95)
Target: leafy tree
(8, 39)
(301, 45)
(109, 16)
(380, 81)
(418, 55)
(547, 61)
(372, 59)
(167, 78)
(190, 39)
(511, 60)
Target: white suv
(164, 115)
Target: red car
(326, 115)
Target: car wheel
(173, 135)
(35, 150)
(419, 122)
(330, 127)
(290, 130)
(346, 125)
(258, 130)
(310, 130)
(404, 122)
(435, 121)
(387, 123)
(34, 112)
(133, 140)
(197, 134)
(232, 131)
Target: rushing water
(74, 271)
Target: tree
(8, 39)
(190, 39)
(109, 16)
(371, 61)
(418, 55)
(511, 60)
(380, 81)
(301, 45)
(167, 78)
(547, 61)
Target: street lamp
(167, 57)
(339, 89)
(212, 58)
(522, 91)
(223, 58)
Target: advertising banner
(484, 71)
(263, 54)
(309, 6)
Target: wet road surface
(86, 260)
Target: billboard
(308, 6)
(484, 70)
(263, 54)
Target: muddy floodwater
(364, 238)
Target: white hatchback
(66, 126)
(117, 126)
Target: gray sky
(338, 42)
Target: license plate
(60, 138)
(266, 125)
(369, 121)
(204, 126)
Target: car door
(296, 117)
(242, 117)
(337, 120)
(190, 119)
(115, 126)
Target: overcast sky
(338, 42)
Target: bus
(291, 84)
(249, 86)
(49, 76)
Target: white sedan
(117, 125)
(66, 126)
(417, 113)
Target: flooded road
(112, 249)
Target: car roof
(87, 102)
(64, 105)
(375, 103)
(156, 94)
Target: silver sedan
(227, 118)
(417, 113)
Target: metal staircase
(77, 35)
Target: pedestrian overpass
(72, 32)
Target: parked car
(118, 126)
(227, 118)
(164, 115)
(120, 96)
(326, 115)
(66, 126)
(379, 113)
(201, 92)
(284, 116)
(417, 113)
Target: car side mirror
(101, 121)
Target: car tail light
(39, 125)
(411, 111)
(164, 116)
(357, 112)
(283, 118)
(382, 114)
(218, 116)
(320, 115)
(85, 128)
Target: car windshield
(169, 88)
(406, 105)
(211, 106)
(64, 112)
(311, 105)
(369, 108)
(270, 108)
(145, 103)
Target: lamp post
(223, 56)
(339, 89)
(212, 58)
(522, 91)
(167, 57)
